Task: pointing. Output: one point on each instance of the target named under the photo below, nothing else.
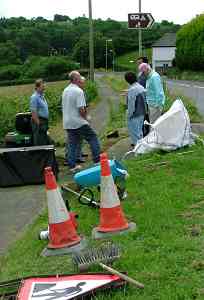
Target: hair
(130, 77)
(144, 59)
(38, 83)
(73, 75)
(82, 78)
(144, 67)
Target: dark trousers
(75, 136)
(39, 133)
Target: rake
(107, 253)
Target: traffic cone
(112, 219)
(63, 237)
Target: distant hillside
(23, 41)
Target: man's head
(39, 85)
(142, 59)
(130, 77)
(82, 82)
(74, 77)
(145, 69)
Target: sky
(177, 11)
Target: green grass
(165, 252)
(185, 75)
(127, 61)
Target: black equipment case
(23, 123)
(21, 166)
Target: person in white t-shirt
(75, 121)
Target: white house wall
(162, 55)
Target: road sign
(140, 21)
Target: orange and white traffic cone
(62, 231)
(112, 219)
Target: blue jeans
(78, 151)
(75, 137)
(135, 128)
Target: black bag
(23, 123)
(146, 128)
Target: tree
(81, 50)
(190, 45)
(32, 41)
(61, 18)
(9, 53)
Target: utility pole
(91, 44)
(140, 31)
(109, 40)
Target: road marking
(198, 87)
(178, 84)
(184, 84)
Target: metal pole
(91, 44)
(106, 55)
(140, 31)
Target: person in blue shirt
(40, 115)
(136, 107)
(154, 92)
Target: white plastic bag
(170, 131)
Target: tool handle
(121, 275)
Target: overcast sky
(178, 11)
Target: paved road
(191, 89)
(18, 207)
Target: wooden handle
(121, 275)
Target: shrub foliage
(190, 45)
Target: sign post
(140, 21)
(140, 32)
(91, 44)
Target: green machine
(22, 135)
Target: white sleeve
(81, 102)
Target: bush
(91, 91)
(190, 45)
(47, 67)
(10, 72)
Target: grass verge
(165, 199)
(185, 75)
(128, 61)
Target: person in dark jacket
(136, 107)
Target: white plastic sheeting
(169, 132)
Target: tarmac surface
(191, 89)
(19, 206)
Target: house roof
(167, 40)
